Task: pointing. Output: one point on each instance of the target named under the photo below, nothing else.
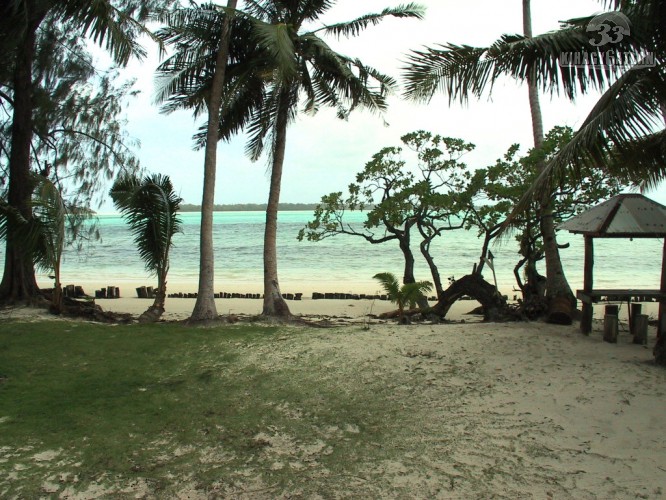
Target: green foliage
(78, 140)
(428, 187)
(499, 187)
(405, 295)
(150, 207)
(269, 54)
(623, 132)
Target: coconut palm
(202, 36)
(408, 294)
(273, 64)
(624, 130)
(321, 77)
(150, 207)
(107, 22)
(619, 131)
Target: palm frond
(413, 292)
(356, 26)
(626, 114)
(461, 71)
(48, 225)
(106, 25)
(150, 207)
(389, 283)
(277, 40)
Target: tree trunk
(404, 238)
(274, 304)
(154, 312)
(474, 286)
(204, 308)
(434, 271)
(556, 282)
(18, 281)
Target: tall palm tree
(321, 77)
(272, 64)
(150, 207)
(202, 36)
(107, 22)
(556, 282)
(619, 133)
(623, 131)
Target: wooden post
(610, 329)
(612, 309)
(661, 323)
(640, 329)
(634, 310)
(586, 319)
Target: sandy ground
(511, 410)
(178, 308)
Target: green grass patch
(165, 406)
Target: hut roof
(623, 216)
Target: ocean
(343, 263)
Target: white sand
(510, 410)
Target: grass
(95, 408)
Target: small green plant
(150, 207)
(405, 295)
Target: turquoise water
(346, 260)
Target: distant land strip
(250, 207)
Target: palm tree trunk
(154, 312)
(274, 304)
(204, 308)
(556, 282)
(18, 280)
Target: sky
(324, 153)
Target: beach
(476, 410)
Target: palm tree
(150, 207)
(106, 22)
(556, 282)
(619, 131)
(272, 63)
(210, 27)
(624, 129)
(409, 294)
(323, 78)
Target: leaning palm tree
(273, 64)
(150, 207)
(407, 295)
(619, 133)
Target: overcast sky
(324, 153)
